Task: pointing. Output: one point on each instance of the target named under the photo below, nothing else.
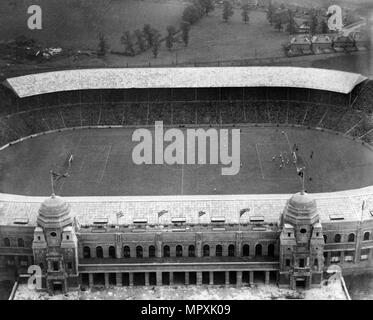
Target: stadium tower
(55, 245)
(301, 243)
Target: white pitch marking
(182, 179)
(106, 161)
(260, 161)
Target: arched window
(179, 251)
(366, 236)
(21, 242)
(86, 252)
(337, 238)
(325, 238)
(112, 252)
(6, 242)
(206, 250)
(258, 250)
(99, 252)
(191, 251)
(151, 252)
(231, 250)
(126, 252)
(166, 251)
(351, 237)
(139, 252)
(271, 250)
(218, 250)
(246, 250)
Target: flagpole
(52, 181)
(362, 211)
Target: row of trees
(279, 20)
(148, 37)
(197, 10)
(228, 11)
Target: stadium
(124, 224)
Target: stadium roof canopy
(217, 77)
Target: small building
(362, 40)
(300, 45)
(343, 43)
(322, 43)
(301, 25)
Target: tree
(207, 5)
(245, 13)
(270, 13)
(156, 43)
(140, 40)
(323, 26)
(127, 42)
(170, 37)
(191, 14)
(103, 46)
(313, 22)
(227, 10)
(278, 23)
(185, 28)
(291, 23)
(148, 34)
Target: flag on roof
(243, 211)
(120, 214)
(201, 213)
(161, 213)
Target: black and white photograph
(186, 150)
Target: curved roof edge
(212, 77)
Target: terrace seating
(33, 115)
(332, 117)
(112, 114)
(364, 101)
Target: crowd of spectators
(24, 117)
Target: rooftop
(345, 205)
(214, 77)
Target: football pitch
(103, 165)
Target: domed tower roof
(54, 212)
(301, 208)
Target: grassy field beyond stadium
(103, 165)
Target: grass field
(103, 165)
(76, 23)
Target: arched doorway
(219, 250)
(139, 252)
(166, 251)
(206, 250)
(179, 251)
(271, 250)
(86, 252)
(231, 250)
(99, 252)
(246, 250)
(258, 250)
(112, 252)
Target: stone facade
(293, 252)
